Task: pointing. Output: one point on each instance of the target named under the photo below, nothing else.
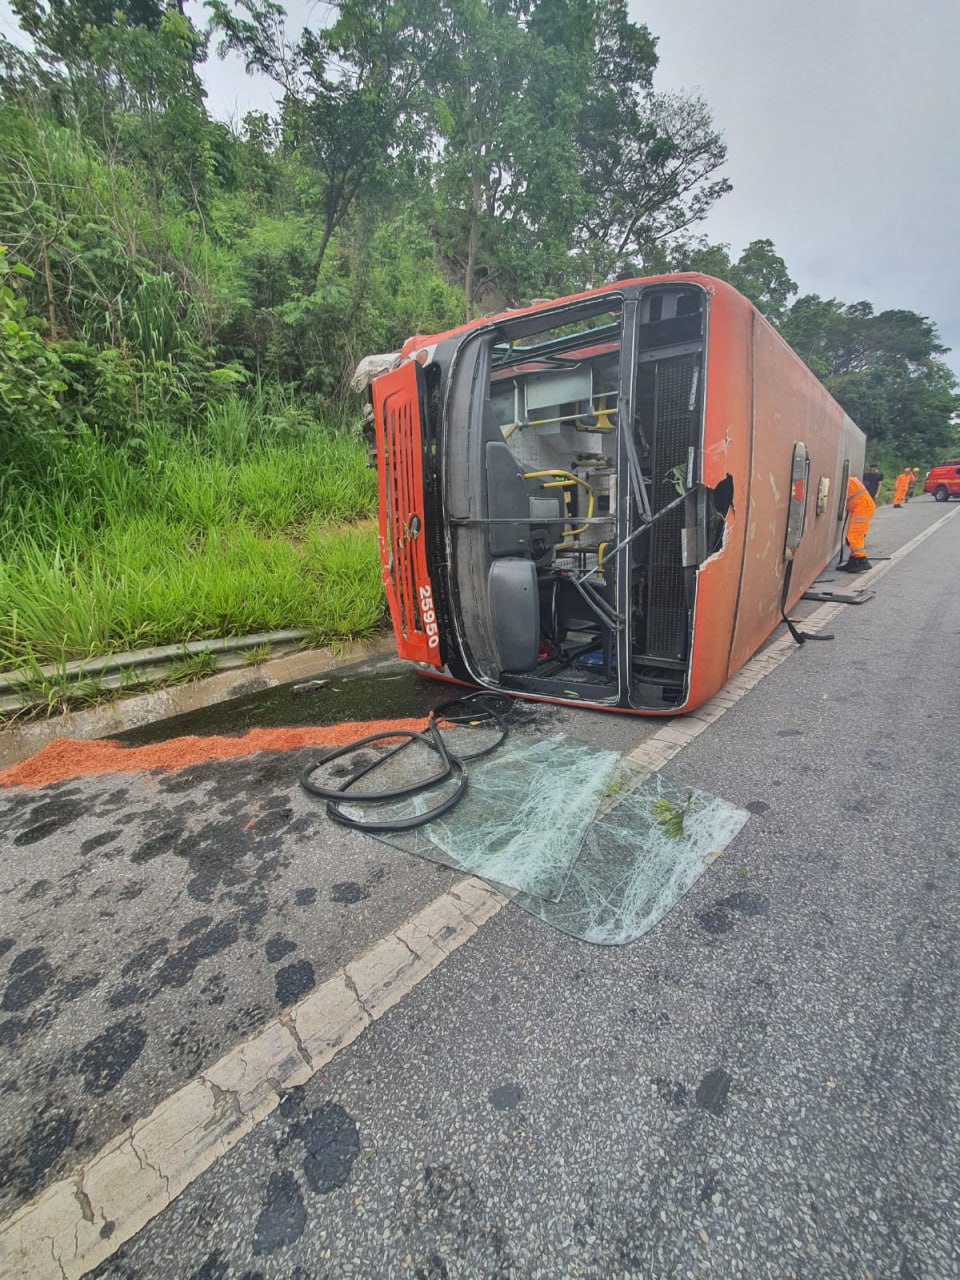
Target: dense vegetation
(182, 302)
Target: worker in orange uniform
(860, 509)
(914, 478)
(900, 487)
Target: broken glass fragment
(635, 863)
(522, 820)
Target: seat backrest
(515, 610)
(506, 492)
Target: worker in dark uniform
(872, 480)
(860, 508)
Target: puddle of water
(391, 691)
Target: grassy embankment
(242, 525)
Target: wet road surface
(764, 1085)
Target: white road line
(80, 1221)
(653, 754)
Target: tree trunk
(51, 301)
(472, 247)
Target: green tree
(506, 179)
(31, 375)
(885, 369)
(649, 161)
(125, 75)
(760, 274)
(817, 330)
(69, 38)
(351, 91)
(557, 162)
(159, 118)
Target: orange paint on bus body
(756, 401)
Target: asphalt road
(764, 1085)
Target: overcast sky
(842, 120)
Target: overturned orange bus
(606, 500)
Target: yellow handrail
(567, 479)
(604, 416)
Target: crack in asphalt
(286, 1020)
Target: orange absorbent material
(73, 758)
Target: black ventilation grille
(666, 613)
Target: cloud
(841, 123)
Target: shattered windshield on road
(587, 843)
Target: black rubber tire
(941, 493)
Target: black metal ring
(404, 824)
(399, 793)
(442, 712)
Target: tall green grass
(249, 521)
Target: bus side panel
(726, 452)
(790, 405)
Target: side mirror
(796, 517)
